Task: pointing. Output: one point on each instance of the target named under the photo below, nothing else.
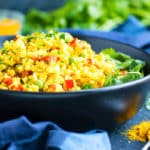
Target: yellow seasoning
(9, 26)
(139, 132)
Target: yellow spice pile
(139, 132)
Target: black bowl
(103, 108)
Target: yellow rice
(51, 62)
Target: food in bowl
(59, 62)
(105, 108)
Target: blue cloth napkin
(131, 32)
(21, 134)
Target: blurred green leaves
(94, 14)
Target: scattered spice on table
(139, 132)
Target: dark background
(25, 5)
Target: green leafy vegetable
(86, 86)
(136, 65)
(128, 69)
(94, 14)
(112, 80)
(131, 76)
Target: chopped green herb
(62, 36)
(86, 86)
(4, 51)
(1, 62)
(49, 34)
(71, 60)
(39, 83)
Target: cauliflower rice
(52, 62)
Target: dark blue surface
(21, 134)
(119, 141)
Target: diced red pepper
(12, 87)
(36, 58)
(52, 88)
(49, 58)
(57, 58)
(8, 81)
(46, 58)
(73, 42)
(20, 87)
(26, 73)
(17, 87)
(69, 84)
(89, 60)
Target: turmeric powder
(139, 132)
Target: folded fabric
(21, 134)
(131, 32)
